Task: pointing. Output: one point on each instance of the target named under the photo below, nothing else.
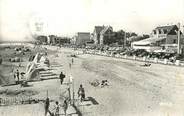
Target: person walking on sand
(17, 74)
(81, 93)
(61, 76)
(65, 106)
(47, 104)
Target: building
(42, 39)
(96, 34)
(105, 35)
(63, 40)
(81, 38)
(162, 37)
(52, 39)
(101, 34)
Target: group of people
(81, 92)
(81, 95)
(56, 107)
(18, 76)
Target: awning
(147, 41)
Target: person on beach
(61, 76)
(81, 93)
(17, 75)
(57, 109)
(65, 106)
(47, 104)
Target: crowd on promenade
(170, 58)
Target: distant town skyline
(66, 17)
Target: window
(159, 31)
(165, 31)
(154, 31)
(174, 41)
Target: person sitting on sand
(146, 64)
(104, 83)
(22, 75)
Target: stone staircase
(51, 73)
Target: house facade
(81, 38)
(52, 39)
(42, 39)
(162, 37)
(106, 34)
(101, 34)
(96, 34)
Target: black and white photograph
(91, 57)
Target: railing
(18, 101)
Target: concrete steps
(48, 75)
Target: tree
(119, 37)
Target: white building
(163, 37)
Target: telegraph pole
(72, 87)
(178, 51)
(47, 94)
(73, 92)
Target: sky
(66, 17)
